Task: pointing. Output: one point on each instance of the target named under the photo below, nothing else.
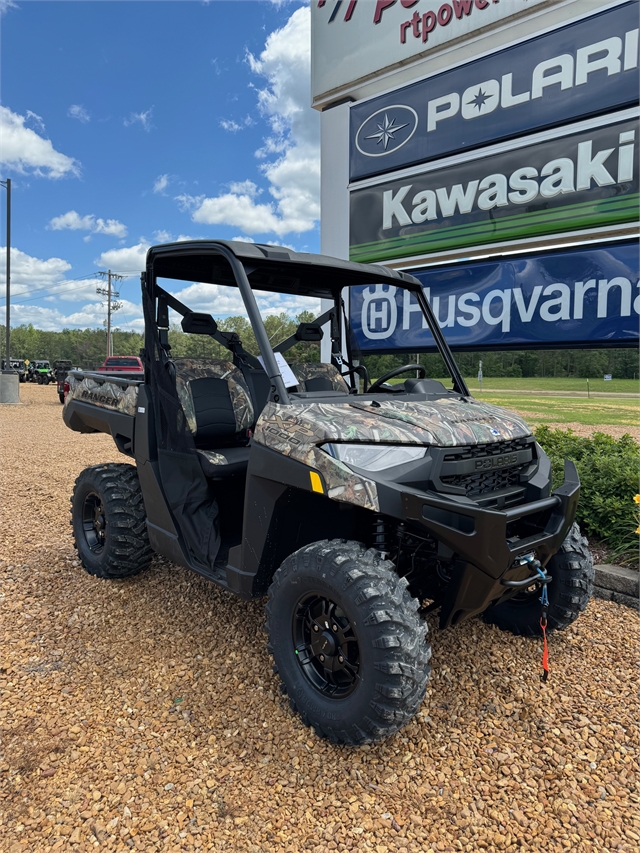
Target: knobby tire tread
(127, 551)
(388, 620)
(570, 590)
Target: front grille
(485, 481)
(494, 449)
(478, 483)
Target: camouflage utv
(355, 507)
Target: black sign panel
(583, 69)
(578, 181)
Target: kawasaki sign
(585, 68)
(586, 179)
(573, 297)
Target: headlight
(374, 457)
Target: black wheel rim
(326, 646)
(94, 522)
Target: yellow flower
(638, 530)
(636, 498)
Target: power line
(60, 284)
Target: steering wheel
(396, 372)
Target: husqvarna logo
(379, 312)
(386, 130)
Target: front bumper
(487, 542)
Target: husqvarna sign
(574, 296)
(582, 69)
(353, 40)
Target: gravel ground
(143, 714)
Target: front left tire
(347, 641)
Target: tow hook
(540, 575)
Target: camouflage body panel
(316, 370)
(107, 395)
(298, 430)
(291, 430)
(449, 422)
(199, 368)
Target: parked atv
(40, 372)
(60, 370)
(17, 365)
(349, 508)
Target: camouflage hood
(448, 422)
(298, 430)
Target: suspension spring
(380, 536)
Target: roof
(271, 268)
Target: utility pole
(112, 305)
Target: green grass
(567, 410)
(551, 383)
(542, 409)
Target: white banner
(352, 40)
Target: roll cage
(252, 266)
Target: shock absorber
(380, 540)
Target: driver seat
(219, 413)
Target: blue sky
(130, 123)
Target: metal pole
(109, 314)
(7, 362)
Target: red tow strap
(545, 650)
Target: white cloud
(220, 301)
(129, 259)
(24, 150)
(77, 111)
(72, 221)
(233, 126)
(35, 119)
(129, 317)
(29, 273)
(5, 5)
(294, 176)
(161, 183)
(162, 236)
(143, 118)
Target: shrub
(608, 470)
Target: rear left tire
(109, 521)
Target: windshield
(311, 338)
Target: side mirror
(195, 323)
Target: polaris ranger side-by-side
(349, 503)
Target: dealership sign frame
(578, 297)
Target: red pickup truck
(126, 366)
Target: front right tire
(347, 641)
(572, 575)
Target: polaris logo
(496, 462)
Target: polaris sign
(579, 70)
(581, 297)
(582, 180)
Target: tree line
(86, 348)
